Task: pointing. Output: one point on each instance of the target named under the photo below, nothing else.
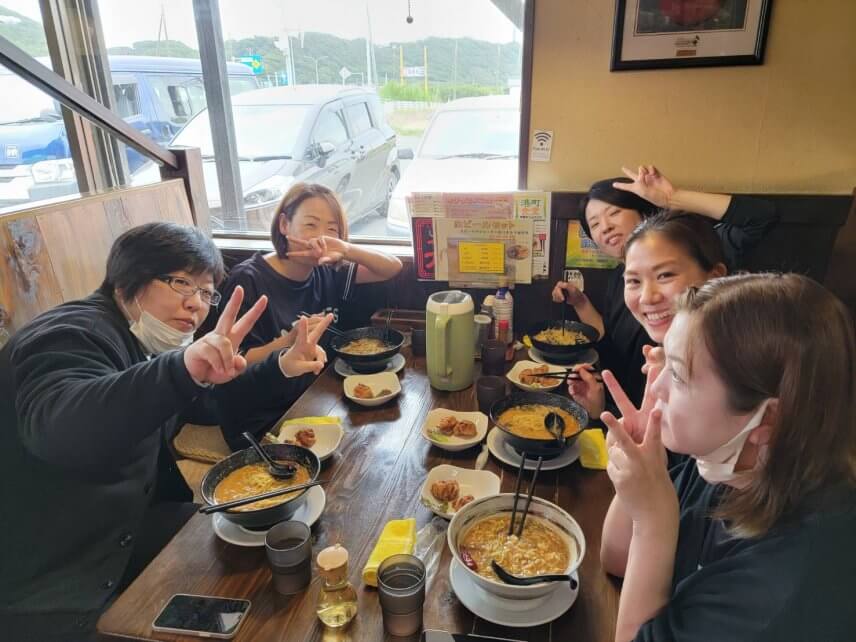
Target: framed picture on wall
(658, 34)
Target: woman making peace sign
(91, 391)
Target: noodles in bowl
(542, 549)
(528, 421)
(254, 479)
(559, 337)
(480, 524)
(364, 346)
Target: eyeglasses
(187, 288)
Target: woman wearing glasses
(90, 393)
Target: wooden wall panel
(27, 281)
(79, 241)
(58, 252)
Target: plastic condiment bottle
(337, 600)
(505, 337)
(503, 308)
(487, 308)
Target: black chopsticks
(570, 374)
(235, 503)
(329, 329)
(520, 472)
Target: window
(393, 77)
(358, 116)
(330, 128)
(127, 99)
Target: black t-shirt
(322, 292)
(742, 227)
(792, 584)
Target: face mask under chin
(155, 336)
(718, 466)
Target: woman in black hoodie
(90, 394)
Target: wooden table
(377, 476)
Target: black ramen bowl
(562, 354)
(546, 448)
(265, 517)
(368, 363)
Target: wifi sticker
(542, 145)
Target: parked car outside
(324, 134)
(470, 145)
(155, 95)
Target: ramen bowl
(496, 505)
(370, 362)
(562, 354)
(264, 517)
(547, 446)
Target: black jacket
(85, 419)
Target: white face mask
(718, 466)
(157, 336)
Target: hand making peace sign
(214, 358)
(305, 355)
(648, 183)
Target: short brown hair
(293, 198)
(782, 336)
(692, 232)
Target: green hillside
(23, 32)
(478, 62)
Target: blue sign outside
(253, 62)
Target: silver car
(324, 134)
(470, 145)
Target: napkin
(593, 449)
(398, 536)
(274, 435)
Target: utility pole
(455, 72)
(161, 28)
(425, 81)
(316, 61)
(371, 61)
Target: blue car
(156, 96)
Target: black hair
(604, 191)
(148, 251)
(692, 232)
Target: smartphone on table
(443, 636)
(202, 615)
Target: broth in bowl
(254, 479)
(542, 549)
(528, 421)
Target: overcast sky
(126, 21)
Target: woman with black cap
(609, 213)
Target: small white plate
(327, 437)
(308, 513)
(506, 612)
(393, 365)
(452, 443)
(514, 376)
(377, 382)
(478, 483)
(502, 450)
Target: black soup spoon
(280, 471)
(508, 578)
